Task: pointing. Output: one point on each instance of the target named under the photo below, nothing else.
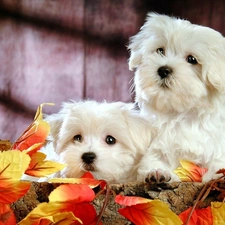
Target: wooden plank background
(52, 51)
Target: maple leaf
(218, 213)
(7, 216)
(36, 133)
(190, 172)
(142, 211)
(39, 167)
(199, 216)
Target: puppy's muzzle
(88, 157)
(164, 71)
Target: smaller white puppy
(107, 139)
(180, 86)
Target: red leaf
(7, 216)
(88, 175)
(75, 193)
(199, 216)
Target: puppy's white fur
(187, 107)
(94, 122)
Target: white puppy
(180, 85)
(107, 139)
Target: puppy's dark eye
(192, 60)
(160, 51)
(110, 140)
(78, 138)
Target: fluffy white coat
(186, 104)
(115, 135)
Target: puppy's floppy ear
(139, 129)
(215, 68)
(56, 120)
(136, 43)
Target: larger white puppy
(180, 85)
(107, 139)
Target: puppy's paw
(158, 176)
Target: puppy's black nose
(164, 71)
(88, 157)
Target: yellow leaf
(190, 172)
(143, 211)
(65, 218)
(50, 211)
(218, 213)
(40, 168)
(13, 164)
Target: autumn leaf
(65, 218)
(218, 213)
(12, 167)
(190, 172)
(87, 179)
(73, 198)
(13, 164)
(88, 175)
(54, 212)
(74, 193)
(36, 133)
(39, 167)
(141, 211)
(10, 191)
(199, 216)
(7, 216)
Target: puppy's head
(104, 138)
(179, 65)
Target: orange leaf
(87, 179)
(36, 133)
(40, 168)
(75, 193)
(198, 217)
(10, 191)
(7, 216)
(141, 211)
(190, 172)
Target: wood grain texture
(53, 51)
